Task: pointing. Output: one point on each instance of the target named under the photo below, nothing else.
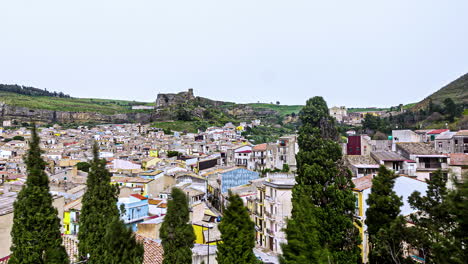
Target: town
(147, 162)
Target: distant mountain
(457, 90)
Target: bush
(172, 153)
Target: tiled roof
(417, 148)
(459, 159)
(462, 133)
(437, 131)
(360, 160)
(129, 179)
(139, 196)
(387, 156)
(260, 147)
(154, 252)
(363, 183)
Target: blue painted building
(236, 177)
(136, 209)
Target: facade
(242, 156)
(339, 113)
(460, 142)
(404, 187)
(287, 149)
(269, 210)
(136, 209)
(426, 158)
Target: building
(404, 187)
(425, 157)
(460, 142)
(136, 209)
(287, 149)
(339, 113)
(361, 165)
(270, 209)
(71, 217)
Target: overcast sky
(353, 53)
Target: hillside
(456, 90)
(102, 106)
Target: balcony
(270, 199)
(270, 232)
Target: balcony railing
(270, 232)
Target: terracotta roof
(260, 147)
(154, 201)
(139, 196)
(459, 159)
(437, 131)
(154, 251)
(363, 183)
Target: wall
(6, 222)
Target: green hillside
(103, 106)
(457, 90)
(283, 110)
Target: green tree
(237, 234)
(99, 207)
(451, 109)
(122, 245)
(35, 234)
(83, 166)
(172, 153)
(285, 168)
(383, 209)
(321, 227)
(176, 233)
(434, 221)
(21, 138)
(457, 201)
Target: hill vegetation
(103, 106)
(456, 90)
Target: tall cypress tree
(99, 208)
(36, 236)
(458, 202)
(176, 232)
(384, 207)
(435, 221)
(237, 233)
(122, 245)
(321, 226)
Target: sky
(353, 53)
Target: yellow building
(154, 153)
(362, 190)
(202, 235)
(150, 162)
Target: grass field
(103, 106)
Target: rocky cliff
(24, 114)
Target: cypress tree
(35, 234)
(99, 208)
(381, 217)
(457, 200)
(122, 245)
(321, 226)
(435, 222)
(176, 232)
(237, 233)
